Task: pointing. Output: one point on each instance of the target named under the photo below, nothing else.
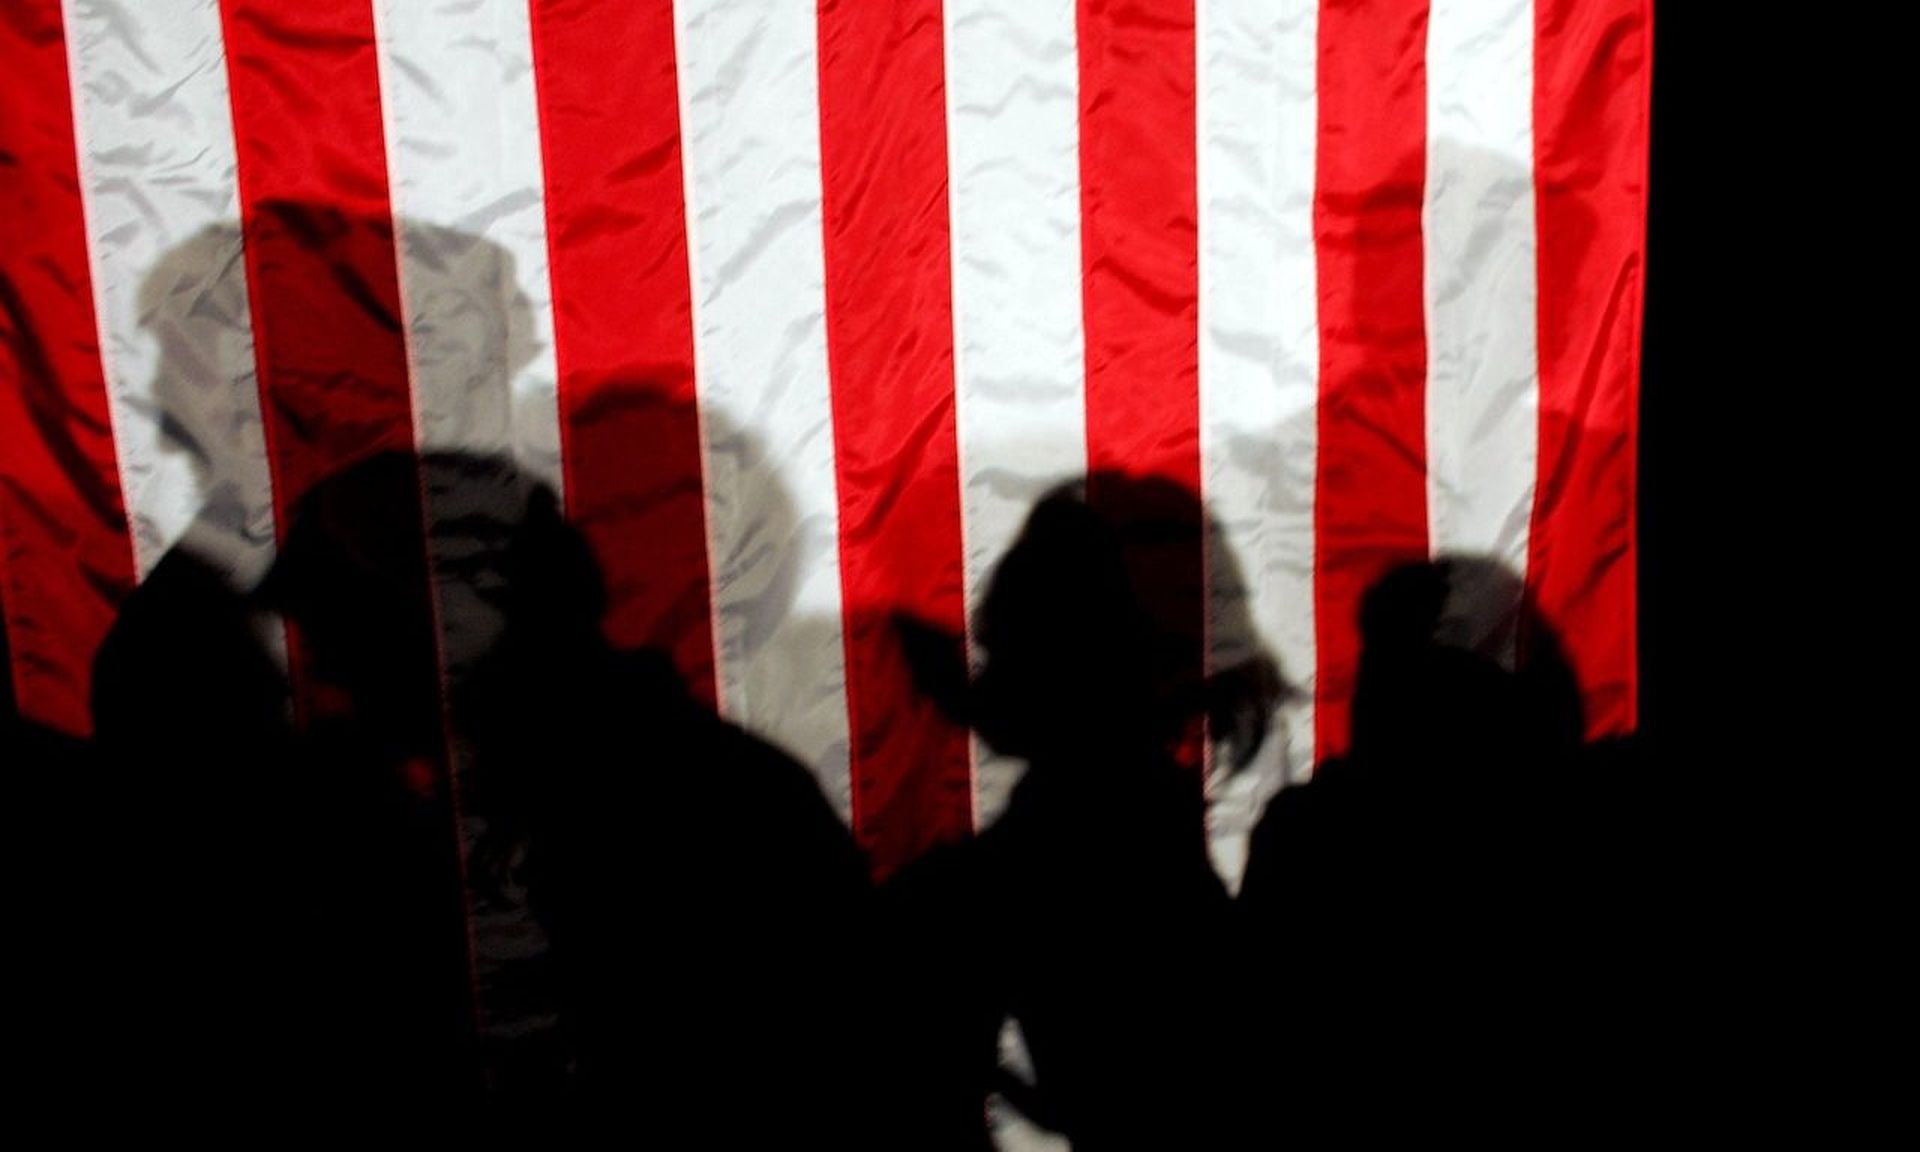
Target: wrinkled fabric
(1013, 145)
(1386, 307)
(67, 560)
(751, 128)
(1260, 372)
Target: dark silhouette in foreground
(306, 919)
(353, 580)
(285, 864)
(1088, 913)
(701, 898)
(1436, 904)
(1442, 910)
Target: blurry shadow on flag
(407, 823)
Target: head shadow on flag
(385, 478)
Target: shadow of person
(193, 833)
(666, 854)
(409, 579)
(339, 831)
(1423, 887)
(699, 894)
(195, 783)
(342, 382)
(378, 868)
(193, 436)
(1089, 913)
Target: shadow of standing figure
(1423, 892)
(1089, 914)
(353, 581)
(699, 895)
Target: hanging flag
(799, 306)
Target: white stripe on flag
(457, 83)
(1483, 376)
(155, 139)
(1013, 143)
(1259, 367)
(750, 123)
(464, 177)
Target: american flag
(800, 305)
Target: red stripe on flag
(1370, 505)
(1139, 237)
(1140, 255)
(623, 319)
(67, 555)
(883, 152)
(328, 330)
(331, 349)
(1591, 85)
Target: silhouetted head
(404, 568)
(321, 299)
(1093, 628)
(352, 576)
(1457, 673)
(1063, 635)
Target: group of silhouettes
(269, 869)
